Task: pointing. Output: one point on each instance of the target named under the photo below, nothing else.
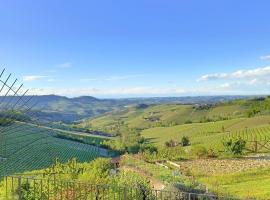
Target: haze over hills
(64, 109)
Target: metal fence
(23, 188)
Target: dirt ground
(225, 166)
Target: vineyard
(212, 134)
(36, 148)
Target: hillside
(145, 116)
(62, 109)
(203, 124)
(23, 144)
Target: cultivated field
(30, 148)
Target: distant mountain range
(64, 109)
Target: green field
(243, 178)
(166, 115)
(28, 147)
(211, 134)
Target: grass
(199, 133)
(156, 115)
(164, 115)
(153, 170)
(211, 134)
(251, 184)
(243, 178)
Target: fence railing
(25, 188)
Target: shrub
(171, 143)
(199, 151)
(235, 147)
(211, 153)
(185, 141)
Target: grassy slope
(161, 115)
(210, 134)
(251, 184)
(25, 149)
(160, 123)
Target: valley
(176, 147)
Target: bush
(235, 147)
(149, 147)
(185, 141)
(134, 148)
(171, 143)
(199, 151)
(211, 153)
(174, 153)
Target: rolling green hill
(204, 124)
(54, 108)
(164, 115)
(210, 134)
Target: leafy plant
(185, 141)
(199, 151)
(234, 146)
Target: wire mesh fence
(27, 188)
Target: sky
(137, 48)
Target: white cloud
(225, 85)
(266, 57)
(253, 81)
(65, 65)
(33, 77)
(239, 74)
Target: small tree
(185, 141)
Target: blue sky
(137, 48)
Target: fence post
(6, 187)
(189, 196)
(20, 187)
(125, 193)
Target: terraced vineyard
(211, 134)
(199, 133)
(166, 115)
(36, 148)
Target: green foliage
(164, 153)
(96, 174)
(185, 141)
(234, 146)
(199, 151)
(171, 143)
(85, 139)
(133, 180)
(71, 167)
(252, 184)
